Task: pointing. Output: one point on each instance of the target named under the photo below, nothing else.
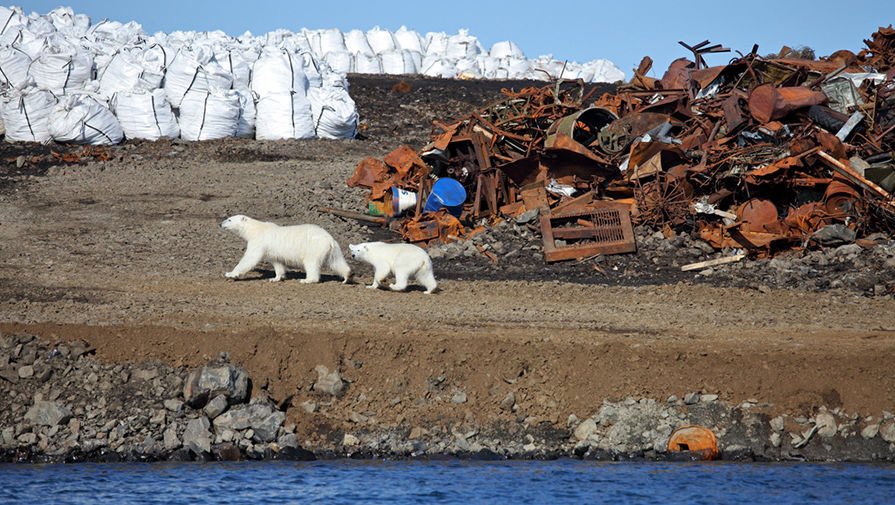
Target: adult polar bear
(305, 245)
(402, 259)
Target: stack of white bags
(65, 79)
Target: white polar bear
(305, 245)
(402, 259)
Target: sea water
(463, 482)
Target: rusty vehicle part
(696, 440)
(604, 228)
(663, 200)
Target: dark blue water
(563, 481)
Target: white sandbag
(82, 119)
(437, 66)
(463, 46)
(26, 114)
(145, 115)
(468, 69)
(356, 43)
(278, 71)
(194, 69)
(367, 64)
(331, 41)
(61, 66)
(506, 49)
(311, 69)
(436, 44)
(66, 21)
(340, 62)
(397, 63)
(125, 72)
(417, 60)
(210, 114)
(245, 125)
(14, 65)
(154, 60)
(283, 116)
(39, 25)
(334, 112)
(32, 44)
(408, 40)
(605, 71)
(234, 61)
(11, 22)
(517, 68)
(380, 40)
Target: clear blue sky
(621, 31)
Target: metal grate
(603, 228)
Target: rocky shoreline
(63, 405)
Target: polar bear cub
(402, 259)
(305, 245)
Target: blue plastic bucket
(446, 193)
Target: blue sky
(621, 31)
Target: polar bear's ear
(242, 219)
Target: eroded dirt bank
(127, 255)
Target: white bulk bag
(436, 43)
(210, 114)
(82, 119)
(278, 71)
(380, 40)
(339, 62)
(194, 69)
(408, 40)
(26, 114)
(66, 21)
(245, 125)
(468, 69)
(331, 41)
(367, 64)
(517, 68)
(122, 73)
(154, 60)
(234, 62)
(397, 63)
(312, 69)
(61, 66)
(11, 22)
(283, 116)
(313, 38)
(417, 59)
(356, 43)
(14, 64)
(506, 49)
(145, 115)
(605, 71)
(334, 112)
(462, 46)
(437, 66)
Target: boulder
(209, 381)
(196, 436)
(585, 429)
(266, 429)
(44, 413)
(261, 419)
(330, 383)
(216, 406)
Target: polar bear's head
(234, 223)
(358, 251)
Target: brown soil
(127, 254)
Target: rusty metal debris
(758, 154)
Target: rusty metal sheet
(403, 160)
(368, 172)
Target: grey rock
(173, 405)
(870, 431)
(308, 406)
(327, 382)
(691, 398)
(26, 372)
(833, 234)
(44, 413)
(216, 406)
(848, 250)
(887, 431)
(775, 439)
(210, 381)
(708, 398)
(196, 436)
(266, 429)
(27, 439)
(509, 402)
(170, 439)
(459, 397)
(10, 375)
(777, 423)
(146, 374)
(826, 424)
(585, 429)
(288, 440)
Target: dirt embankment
(127, 254)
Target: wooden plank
(711, 263)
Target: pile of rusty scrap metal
(759, 154)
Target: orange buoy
(695, 439)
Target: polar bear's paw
(373, 286)
(308, 281)
(275, 279)
(231, 275)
